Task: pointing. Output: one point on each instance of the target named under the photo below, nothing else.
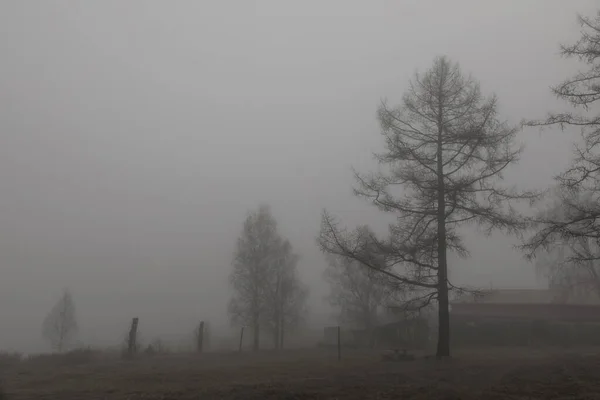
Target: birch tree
(286, 295)
(257, 247)
(60, 325)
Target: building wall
(552, 311)
(531, 296)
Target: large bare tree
(60, 325)
(445, 152)
(570, 221)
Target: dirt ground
(316, 374)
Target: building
(543, 304)
(524, 317)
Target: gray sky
(137, 134)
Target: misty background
(137, 135)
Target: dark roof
(554, 311)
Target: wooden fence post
(241, 338)
(339, 343)
(132, 342)
(200, 338)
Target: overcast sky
(136, 135)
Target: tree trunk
(200, 338)
(278, 309)
(281, 329)
(256, 339)
(443, 345)
(368, 329)
(276, 337)
(277, 326)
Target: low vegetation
(316, 374)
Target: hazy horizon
(137, 135)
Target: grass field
(314, 374)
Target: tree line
(446, 148)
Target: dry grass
(314, 374)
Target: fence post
(200, 338)
(339, 343)
(131, 344)
(241, 339)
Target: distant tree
(60, 325)
(358, 293)
(285, 302)
(294, 306)
(257, 248)
(570, 223)
(572, 269)
(445, 153)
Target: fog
(137, 135)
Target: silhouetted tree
(357, 292)
(60, 325)
(572, 269)
(570, 222)
(286, 296)
(445, 153)
(257, 249)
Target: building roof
(529, 296)
(512, 296)
(529, 311)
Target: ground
(315, 374)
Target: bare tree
(359, 293)
(257, 249)
(570, 221)
(60, 325)
(570, 265)
(286, 296)
(571, 269)
(294, 307)
(445, 153)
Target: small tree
(358, 293)
(286, 295)
(570, 265)
(571, 221)
(60, 325)
(257, 248)
(572, 268)
(446, 150)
